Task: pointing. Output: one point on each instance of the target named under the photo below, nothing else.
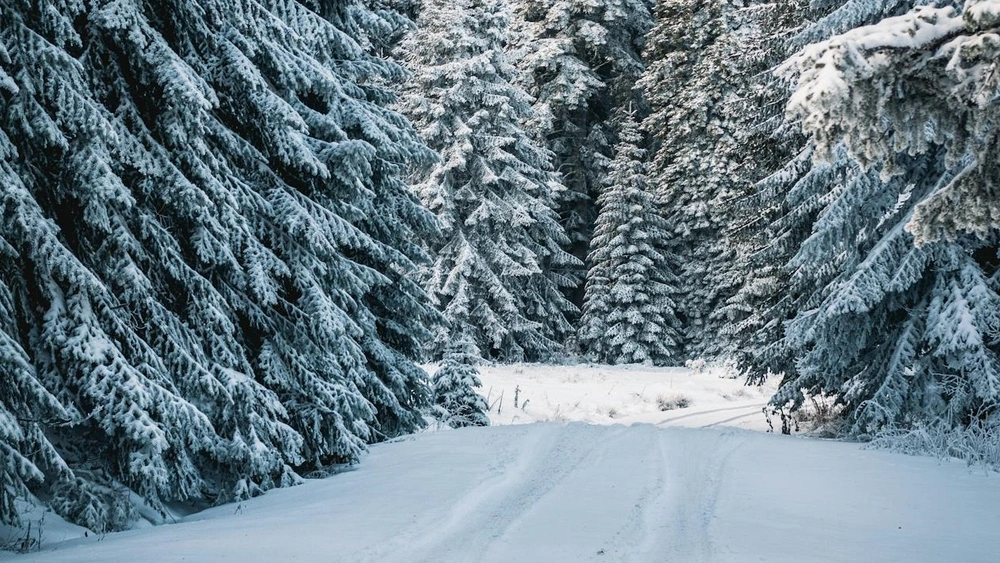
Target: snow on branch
(910, 85)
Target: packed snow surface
(572, 492)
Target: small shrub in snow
(672, 403)
(822, 416)
(788, 420)
(741, 393)
(24, 538)
(818, 415)
(697, 365)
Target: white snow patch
(599, 394)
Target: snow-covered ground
(572, 492)
(597, 394)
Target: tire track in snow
(713, 419)
(675, 522)
(571, 453)
(638, 537)
(514, 454)
(734, 419)
(610, 486)
(705, 481)
(670, 516)
(489, 509)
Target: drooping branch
(902, 87)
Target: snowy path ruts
(712, 417)
(518, 479)
(562, 470)
(573, 493)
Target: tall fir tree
(900, 333)
(779, 215)
(709, 124)
(210, 242)
(579, 59)
(628, 312)
(764, 224)
(498, 266)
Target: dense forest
(230, 231)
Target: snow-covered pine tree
(628, 312)
(900, 333)
(781, 213)
(456, 402)
(496, 273)
(705, 60)
(83, 304)
(579, 59)
(210, 244)
(396, 316)
(761, 227)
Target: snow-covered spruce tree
(456, 402)
(579, 59)
(82, 285)
(372, 156)
(902, 333)
(496, 273)
(628, 312)
(209, 244)
(765, 224)
(701, 82)
(899, 333)
(783, 209)
(780, 218)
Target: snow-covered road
(553, 493)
